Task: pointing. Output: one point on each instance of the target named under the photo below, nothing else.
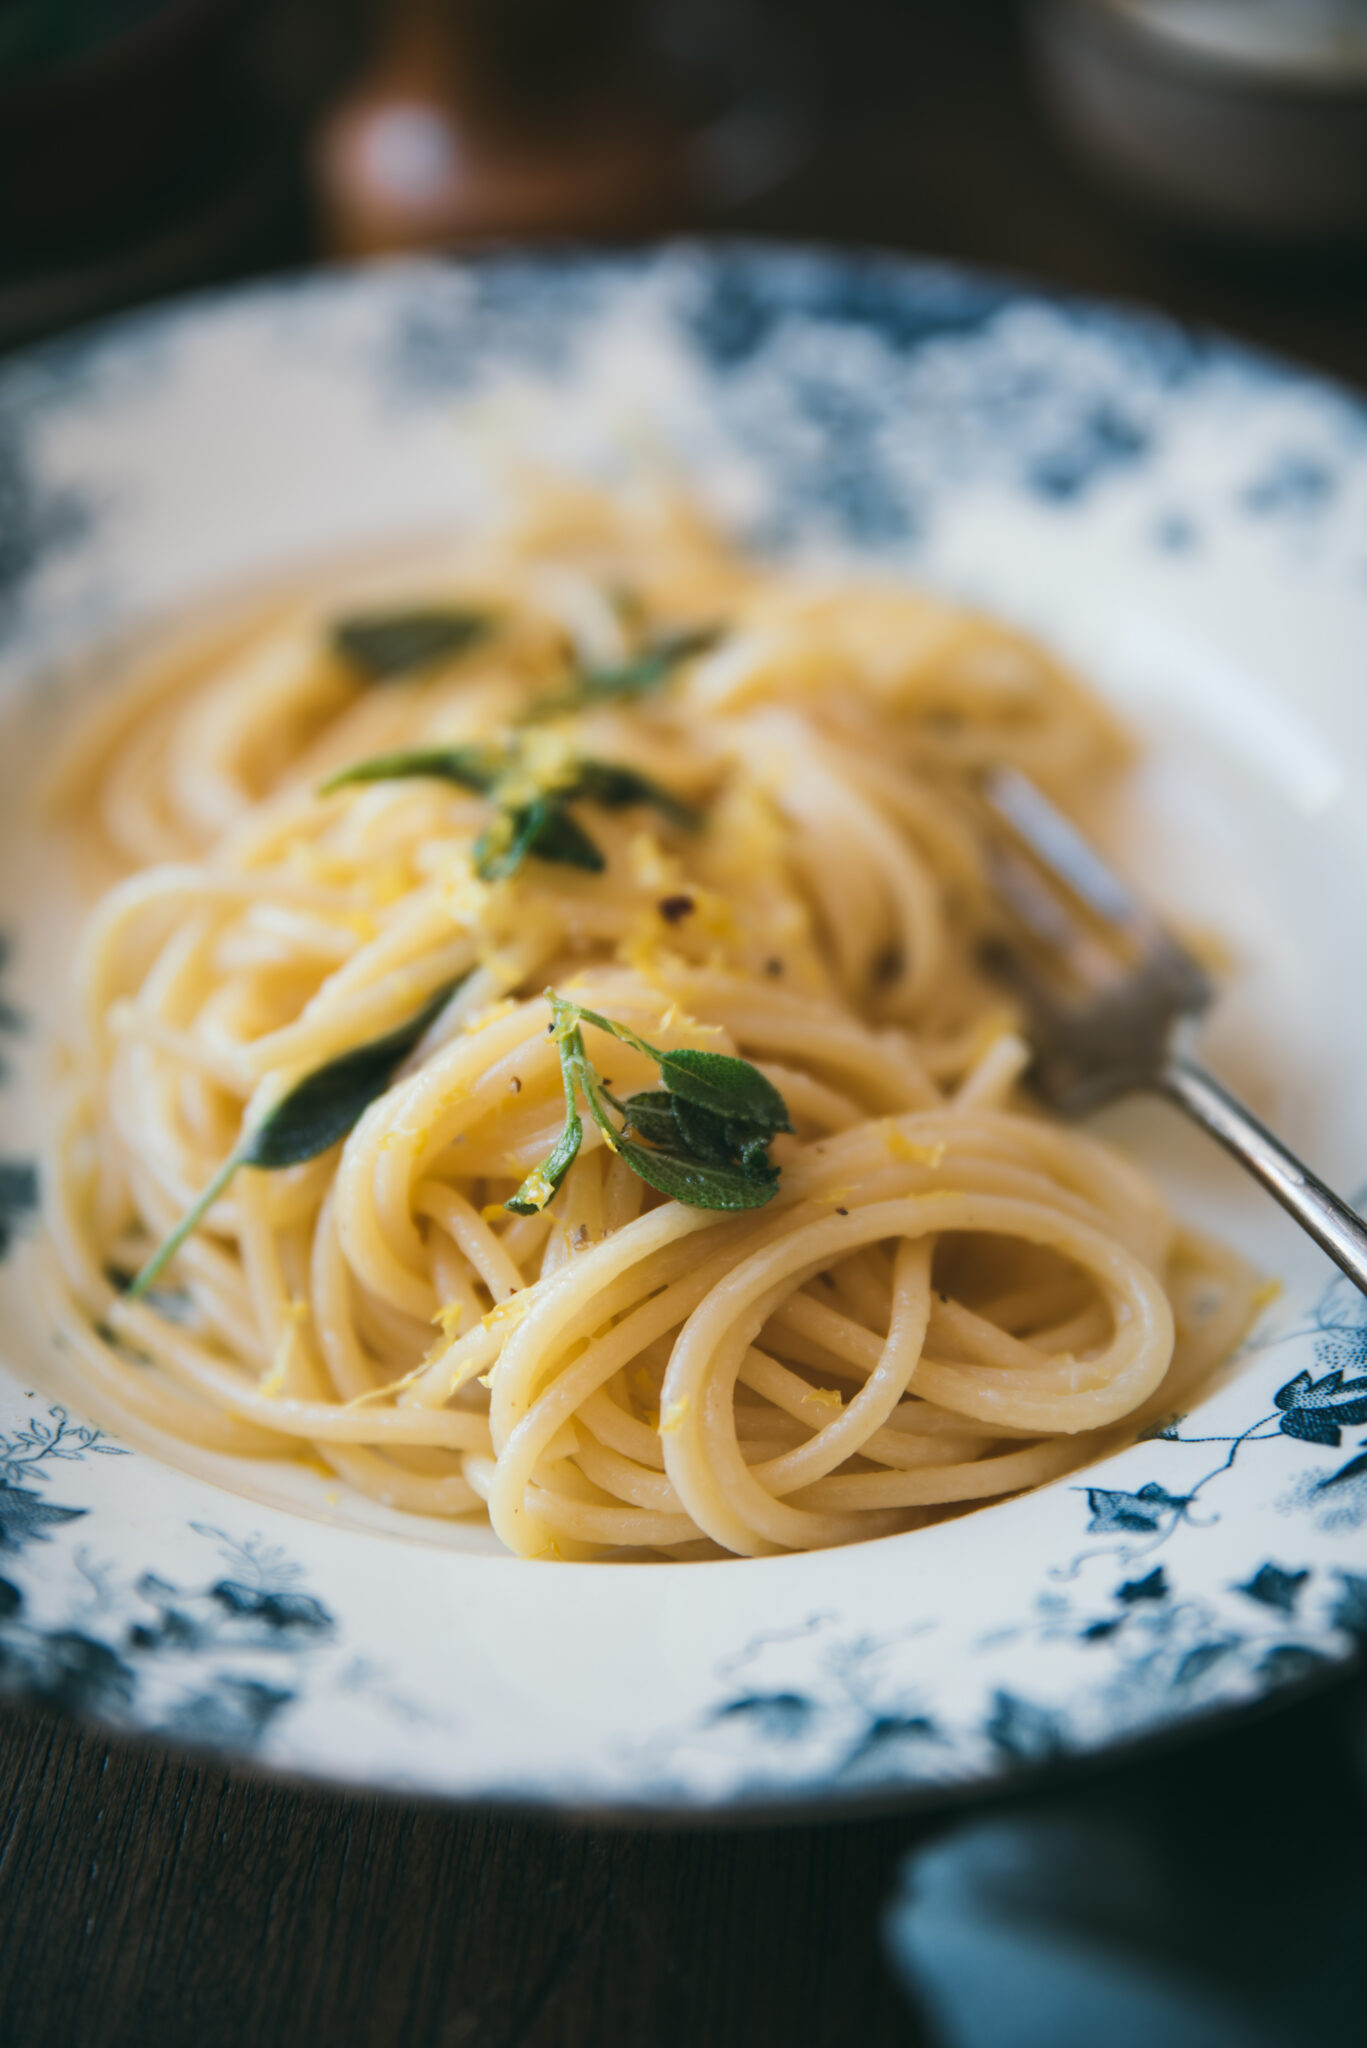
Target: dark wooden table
(149, 1900)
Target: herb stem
(707, 1133)
(190, 1221)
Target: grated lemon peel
(671, 1418)
(509, 1312)
(492, 1014)
(373, 1394)
(906, 1149)
(296, 1313)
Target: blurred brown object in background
(1240, 119)
(480, 120)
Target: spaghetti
(720, 811)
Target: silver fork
(1105, 986)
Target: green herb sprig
(382, 646)
(528, 820)
(703, 1139)
(637, 677)
(310, 1119)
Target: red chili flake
(675, 908)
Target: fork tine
(1064, 861)
(1117, 1038)
(1042, 910)
(1060, 847)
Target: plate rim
(823, 1800)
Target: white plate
(1188, 523)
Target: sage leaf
(539, 1186)
(325, 1105)
(556, 836)
(701, 1132)
(616, 788)
(729, 1087)
(697, 1185)
(539, 825)
(473, 767)
(637, 677)
(651, 1116)
(543, 828)
(384, 645)
(689, 1151)
(309, 1120)
(721, 1141)
(755, 1162)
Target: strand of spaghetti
(983, 1479)
(318, 1421)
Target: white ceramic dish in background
(1188, 523)
(1247, 117)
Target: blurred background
(1207, 154)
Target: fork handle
(1315, 1207)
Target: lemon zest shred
(538, 1189)
(296, 1313)
(490, 1015)
(395, 1386)
(904, 1148)
(510, 1311)
(671, 1418)
(463, 1375)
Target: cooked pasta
(720, 809)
